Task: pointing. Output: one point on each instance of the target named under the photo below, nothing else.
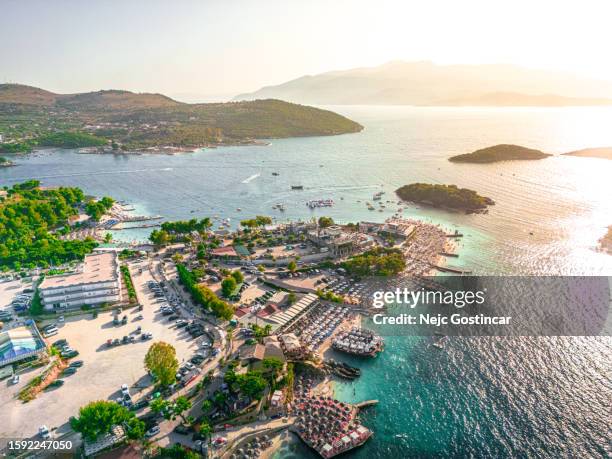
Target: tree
(159, 237)
(291, 298)
(181, 404)
(238, 276)
(161, 406)
(136, 428)
(261, 269)
(206, 430)
(228, 285)
(98, 418)
(206, 406)
(262, 220)
(272, 364)
(251, 383)
(292, 266)
(108, 237)
(161, 361)
(325, 222)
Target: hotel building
(97, 282)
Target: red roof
(269, 309)
(242, 311)
(225, 252)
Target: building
(277, 398)
(116, 435)
(253, 353)
(20, 343)
(399, 229)
(97, 281)
(338, 242)
(293, 348)
(227, 253)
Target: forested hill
(132, 120)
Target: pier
(365, 404)
(447, 254)
(448, 269)
(144, 225)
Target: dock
(448, 254)
(366, 403)
(448, 269)
(144, 225)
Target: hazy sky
(221, 48)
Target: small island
(600, 152)
(496, 153)
(445, 197)
(5, 162)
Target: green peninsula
(502, 152)
(123, 120)
(445, 196)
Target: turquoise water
(478, 397)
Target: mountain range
(427, 84)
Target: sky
(213, 50)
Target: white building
(98, 281)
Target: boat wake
(251, 178)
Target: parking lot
(105, 368)
(13, 299)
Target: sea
(478, 397)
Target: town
(203, 341)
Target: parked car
(15, 379)
(139, 404)
(152, 431)
(181, 429)
(76, 364)
(43, 431)
(60, 343)
(69, 371)
(125, 389)
(69, 354)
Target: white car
(152, 431)
(15, 379)
(43, 431)
(125, 389)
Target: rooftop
(18, 343)
(228, 251)
(254, 352)
(98, 267)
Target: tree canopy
(378, 261)
(98, 418)
(325, 222)
(161, 361)
(203, 295)
(29, 216)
